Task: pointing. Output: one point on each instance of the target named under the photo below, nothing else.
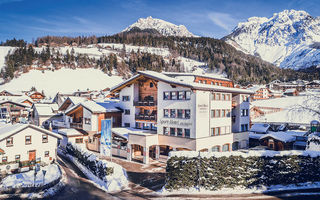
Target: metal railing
(146, 117)
(76, 125)
(145, 103)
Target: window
(218, 97)
(245, 98)
(213, 113)
(79, 140)
(188, 95)
(223, 97)
(4, 159)
(179, 132)
(125, 98)
(44, 138)
(153, 127)
(227, 129)
(172, 113)
(127, 112)
(9, 141)
(228, 97)
(165, 112)
(173, 95)
(147, 126)
(244, 112)
(46, 154)
(165, 131)
(223, 113)
(166, 95)
(172, 131)
(244, 127)
(187, 114)
(228, 114)
(151, 84)
(181, 95)
(138, 125)
(187, 133)
(216, 149)
(218, 113)
(215, 131)
(213, 96)
(28, 139)
(225, 147)
(87, 121)
(180, 113)
(126, 124)
(17, 157)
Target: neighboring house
(70, 102)
(179, 111)
(43, 114)
(260, 92)
(60, 98)
(276, 93)
(281, 140)
(14, 112)
(313, 85)
(256, 132)
(10, 93)
(35, 96)
(22, 143)
(76, 136)
(291, 92)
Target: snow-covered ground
(26, 179)
(289, 114)
(63, 81)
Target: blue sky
(29, 19)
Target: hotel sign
(175, 122)
(203, 108)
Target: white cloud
(224, 20)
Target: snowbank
(244, 153)
(23, 180)
(113, 181)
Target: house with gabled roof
(23, 143)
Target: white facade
(128, 104)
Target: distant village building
(260, 92)
(35, 96)
(14, 112)
(22, 143)
(291, 92)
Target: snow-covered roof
(13, 92)
(45, 109)
(207, 75)
(76, 100)
(255, 136)
(7, 130)
(255, 88)
(260, 128)
(70, 132)
(184, 83)
(290, 90)
(89, 105)
(110, 106)
(124, 131)
(288, 136)
(12, 102)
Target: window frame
(28, 143)
(45, 140)
(9, 144)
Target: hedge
(90, 161)
(217, 172)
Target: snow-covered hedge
(107, 175)
(215, 171)
(313, 143)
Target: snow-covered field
(63, 81)
(289, 113)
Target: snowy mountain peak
(163, 27)
(286, 39)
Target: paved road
(78, 187)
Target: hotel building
(181, 111)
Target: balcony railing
(146, 117)
(145, 103)
(76, 125)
